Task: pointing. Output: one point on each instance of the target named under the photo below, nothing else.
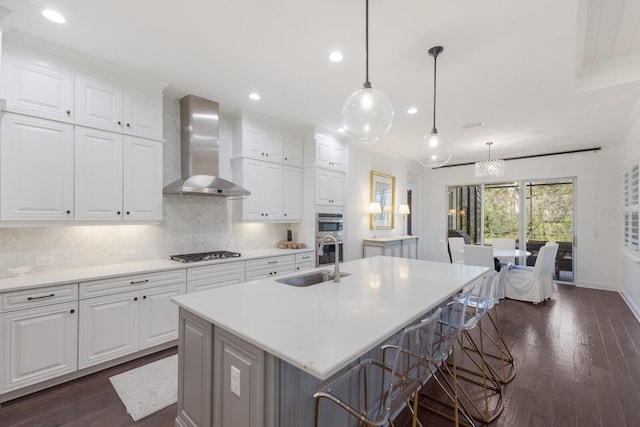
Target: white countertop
(70, 275)
(322, 328)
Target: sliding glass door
(532, 212)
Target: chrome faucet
(336, 269)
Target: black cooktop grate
(204, 256)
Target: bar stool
(449, 329)
(491, 389)
(383, 388)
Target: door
(36, 169)
(98, 175)
(38, 344)
(142, 179)
(159, 315)
(108, 328)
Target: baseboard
(632, 306)
(598, 285)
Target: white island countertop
(321, 328)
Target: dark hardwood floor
(577, 357)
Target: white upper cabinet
(293, 150)
(142, 179)
(292, 194)
(36, 169)
(98, 174)
(329, 187)
(252, 141)
(330, 153)
(106, 105)
(264, 181)
(37, 87)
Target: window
(631, 199)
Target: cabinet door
(337, 156)
(272, 190)
(38, 344)
(252, 142)
(323, 152)
(142, 179)
(252, 180)
(292, 194)
(337, 188)
(143, 114)
(108, 328)
(293, 150)
(98, 175)
(272, 146)
(98, 104)
(274, 272)
(158, 315)
(37, 87)
(329, 187)
(36, 169)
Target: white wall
(629, 152)
(362, 160)
(189, 224)
(598, 260)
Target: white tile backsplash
(189, 224)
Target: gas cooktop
(204, 256)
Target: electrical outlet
(42, 261)
(235, 380)
(129, 255)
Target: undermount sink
(309, 279)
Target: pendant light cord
(435, 68)
(367, 84)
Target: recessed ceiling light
(340, 130)
(412, 110)
(255, 96)
(336, 56)
(54, 16)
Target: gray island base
(253, 354)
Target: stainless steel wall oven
(329, 224)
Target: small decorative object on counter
(289, 238)
(290, 245)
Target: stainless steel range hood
(200, 151)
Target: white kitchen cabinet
(213, 276)
(38, 335)
(257, 142)
(305, 261)
(329, 187)
(293, 151)
(270, 267)
(292, 193)
(121, 315)
(38, 344)
(330, 153)
(98, 174)
(142, 198)
(107, 105)
(264, 181)
(37, 87)
(36, 169)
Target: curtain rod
(583, 150)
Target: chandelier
(490, 168)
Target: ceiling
(542, 75)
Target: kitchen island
(252, 354)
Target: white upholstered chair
(503, 244)
(479, 255)
(534, 285)
(456, 244)
(444, 252)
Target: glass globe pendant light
(434, 150)
(367, 114)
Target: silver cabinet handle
(306, 257)
(272, 262)
(139, 281)
(41, 297)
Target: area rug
(149, 388)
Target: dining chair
(534, 285)
(479, 255)
(444, 251)
(374, 391)
(456, 244)
(504, 244)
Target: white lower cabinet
(214, 276)
(38, 335)
(121, 323)
(270, 267)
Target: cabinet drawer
(129, 283)
(305, 265)
(304, 257)
(38, 297)
(273, 272)
(264, 263)
(210, 276)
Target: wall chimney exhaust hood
(200, 152)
